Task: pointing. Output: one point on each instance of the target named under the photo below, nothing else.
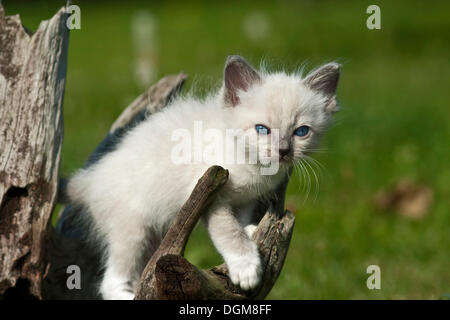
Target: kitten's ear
(238, 75)
(325, 80)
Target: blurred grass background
(394, 122)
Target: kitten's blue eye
(302, 131)
(262, 129)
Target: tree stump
(32, 80)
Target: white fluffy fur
(134, 192)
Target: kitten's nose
(283, 148)
(284, 152)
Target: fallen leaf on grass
(407, 198)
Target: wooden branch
(153, 100)
(32, 81)
(177, 279)
(176, 238)
(168, 275)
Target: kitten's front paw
(250, 230)
(245, 270)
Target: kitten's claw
(245, 271)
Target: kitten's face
(287, 113)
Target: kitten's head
(298, 108)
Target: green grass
(394, 123)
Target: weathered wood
(168, 275)
(176, 238)
(273, 237)
(32, 81)
(176, 278)
(153, 100)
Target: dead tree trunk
(32, 77)
(32, 80)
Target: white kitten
(133, 193)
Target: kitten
(133, 193)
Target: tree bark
(151, 101)
(32, 81)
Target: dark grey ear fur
(325, 80)
(238, 75)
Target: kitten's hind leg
(122, 269)
(247, 217)
(115, 286)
